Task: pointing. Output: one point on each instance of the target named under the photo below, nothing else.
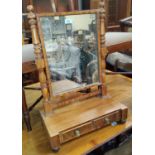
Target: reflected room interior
(71, 48)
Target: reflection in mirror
(71, 47)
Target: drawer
(76, 132)
(108, 119)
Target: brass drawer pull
(77, 133)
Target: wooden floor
(36, 142)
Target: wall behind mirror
(72, 50)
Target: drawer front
(108, 119)
(76, 132)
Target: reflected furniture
(115, 11)
(73, 105)
(126, 23)
(120, 62)
(118, 42)
(120, 53)
(29, 76)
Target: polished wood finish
(102, 49)
(69, 97)
(73, 133)
(36, 142)
(39, 59)
(28, 66)
(77, 119)
(86, 116)
(120, 47)
(104, 121)
(95, 11)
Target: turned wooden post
(39, 58)
(103, 49)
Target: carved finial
(102, 9)
(30, 8)
(31, 15)
(102, 4)
(102, 21)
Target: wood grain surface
(36, 142)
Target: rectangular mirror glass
(72, 50)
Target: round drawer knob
(77, 133)
(107, 120)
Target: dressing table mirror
(70, 56)
(71, 50)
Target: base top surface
(78, 114)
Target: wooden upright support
(103, 49)
(39, 58)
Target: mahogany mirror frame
(51, 101)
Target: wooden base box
(75, 120)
